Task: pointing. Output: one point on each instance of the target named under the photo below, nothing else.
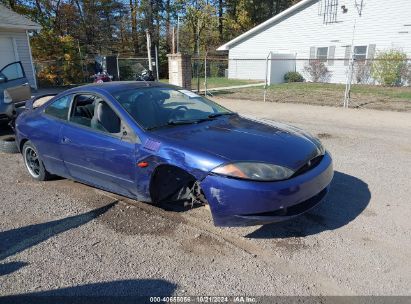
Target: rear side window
(59, 108)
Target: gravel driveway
(65, 238)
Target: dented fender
(156, 153)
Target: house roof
(272, 20)
(12, 20)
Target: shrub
(293, 77)
(317, 71)
(390, 68)
(362, 70)
(408, 75)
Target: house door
(279, 65)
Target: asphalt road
(65, 238)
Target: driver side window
(93, 112)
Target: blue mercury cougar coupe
(160, 143)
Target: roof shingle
(10, 19)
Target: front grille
(309, 165)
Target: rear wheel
(33, 163)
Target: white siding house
(14, 41)
(300, 31)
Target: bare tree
(134, 32)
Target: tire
(8, 144)
(33, 163)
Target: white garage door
(6, 51)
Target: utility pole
(173, 42)
(178, 33)
(198, 55)
(205, 74)
(156, 62)
(150, 65)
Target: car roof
(115, 86)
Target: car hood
(236, 138)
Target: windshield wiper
(187, 121)
(220, 114)
(190, 121)
(179, 122)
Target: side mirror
(3, 79)
(126, 134)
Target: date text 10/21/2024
(203, 299)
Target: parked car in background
(159, 143)
(14, 89)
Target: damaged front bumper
(235, 202)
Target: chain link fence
(61, 72)
(210, 73)
(368, 83)
(129, 68)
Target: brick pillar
(179, 70)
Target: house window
(322, 53)
(360, 53)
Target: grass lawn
(367, 96)
(391, 92)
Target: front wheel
(33, 163)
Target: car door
(98, 148)
(15, 82)
(44, 130)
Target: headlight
(319, 145)
(254, 171)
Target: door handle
(65, 140)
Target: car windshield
(157, 107)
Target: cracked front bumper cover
(235, 202)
